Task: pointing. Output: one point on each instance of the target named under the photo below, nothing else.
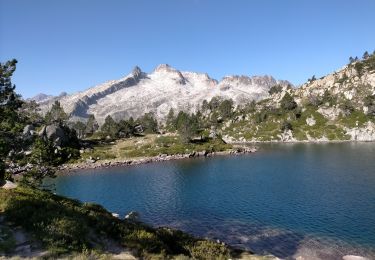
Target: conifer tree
(11, 123)
(56, 114)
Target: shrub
(328, 98)
(275, 89)
(65, 232)
(287, 102)
(209, 250)
(347, 107)
(359, 67)
(285, 126)
(261, 116)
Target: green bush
(275, 89)
(285, 126)
(209, 250)
(287, 102)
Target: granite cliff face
(158, 91)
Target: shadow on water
(252, 237)
(282, 245)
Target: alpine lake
(289, 200)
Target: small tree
(313, 78)
(91, 125)
(110, 127)
(149, 123)
(43, 152)
(351, 60)
(226, 108)
(366, 55)
(187, 126)
(125, 128)
(286, 126)
(31, 112)
(287, 102)
(205, 106)
(56, 114)
(275, 89)
(214, 103)
(80, 128)
(347, 107)
(171, 120)
(11, 122)
(328, 98)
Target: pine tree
(287, 102)
(110, 127)
(56, 114)
(171, 120)
(91, 125)
(149, 123)
(11, 123)
(226, 108)
(365, 55)
(80, 128)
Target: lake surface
(290, 200)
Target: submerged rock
(133, 216)
(354, 257)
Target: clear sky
(70, 45)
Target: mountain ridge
(164, 88)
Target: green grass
(177, 148)
(65, 226)
(152, 145)
(354, 118)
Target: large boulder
(9, 185)
(28, 130)
(55, 133)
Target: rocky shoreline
(92, 164)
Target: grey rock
(133, 216)
(28, 130)
(54, 133)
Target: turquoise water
(314, 200)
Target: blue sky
(71, 45)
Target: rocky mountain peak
(164, 68)
(41, 97)
(136, 72)
(266, 81)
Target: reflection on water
(316, 200)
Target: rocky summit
(164, 88)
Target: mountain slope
(164, 88)
(339, 106)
